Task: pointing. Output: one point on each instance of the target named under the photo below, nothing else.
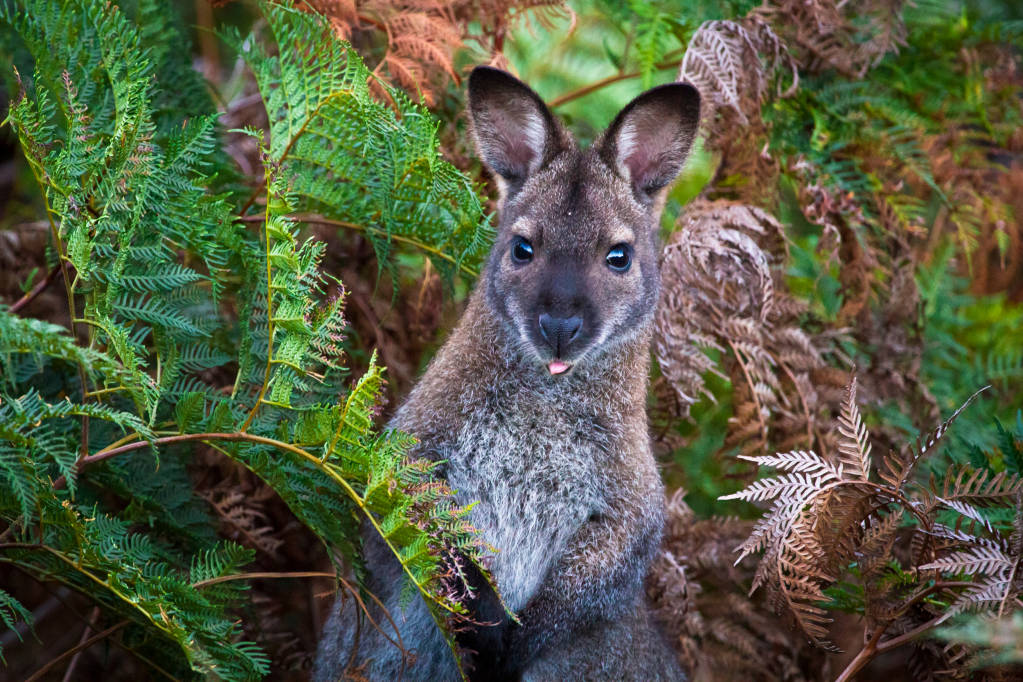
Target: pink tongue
(557, 367)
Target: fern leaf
(979, 486)
(11, 611)
(853, 442)
(352, 159)
(897, 469)
(795, 461)
(788, 486)
(985, 560)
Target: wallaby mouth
(558, 367)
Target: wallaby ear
(649, 140)
(516, 135)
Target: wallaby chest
(534, 461)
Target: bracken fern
(150, 249)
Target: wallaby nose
(560, 332)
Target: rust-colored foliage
(830, 512)
(698, 590)
(720, 294)
(422, 36)
(788, 381)
(728, 309)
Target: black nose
(560, 332)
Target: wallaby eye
(522, 250)
(619, 258)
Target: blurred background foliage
(852, 208)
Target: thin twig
(604, 82)
(93, 619)
(926, 592)
(915, 632)
(422, 246)
(74, 650)
(376, 23)
(263, 575)
(36, 290)
(65, 587)
(399, 643)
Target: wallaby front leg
(484, 646)
(598, 578)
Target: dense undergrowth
(208, 255)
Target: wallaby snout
(560, 332)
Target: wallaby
(536, 404)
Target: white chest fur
(535, 471)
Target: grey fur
(560, 465)
(630, 649)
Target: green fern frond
(35, 431)
(352, 159)
(126, 195)
(11, 611)
(97, 422)
(127, 573)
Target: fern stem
(875, 646)
(263, 575)
(104, 391)
(397, 641)
(1009, 592)
(86, 631)
(31, 571)
(372, 22)
(252, 198)
(62, 259)
(94, 323)
(928, 591)
(291, 142)
(77, 566)
(297, 368)
(271, 327)
(252, 438)
(422, 246)
(864, 656)
(914, 633)
(610, 80)
(344, 414)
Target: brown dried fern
(850, 38)
(423, 36)
(700, 597)
(721, 296)
(830, 515)
(245, 520)
(732, 64)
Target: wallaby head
(573, 271)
